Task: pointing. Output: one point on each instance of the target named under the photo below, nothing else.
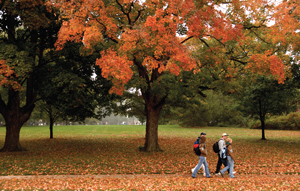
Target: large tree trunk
(152, 114)
(14, 121)
(153, 106)
(14, 117)
(12, 138)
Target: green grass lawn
(113, 149)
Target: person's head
(202, 139)
(228, 140)
(224, 136)
(202, 134)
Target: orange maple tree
(147, 39)
(286, 27)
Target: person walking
(230, 159)
(202, 166)
(202, 158)
(221, 161)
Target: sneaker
(218, 174)
(193, 177)
(233, 172)
(209, 177)
(193, 170)
(204, 174)
(222, 174)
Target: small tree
(265, 97)
(71, 92)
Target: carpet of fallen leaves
(154, 182)
(260, 165)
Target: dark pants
(220, 162)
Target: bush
(283, 122)
(214, 110)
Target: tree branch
(142, 71)
(104, 31)
(205, 43)
(138, 16)
(259, 37)
(3, 107)
(217, 40)
(187, 39)
(161, 102)
(235, 59)
(123, 11)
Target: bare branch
(259, 37)
(187, 39)
(123, 11)
(205, 42)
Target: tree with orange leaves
(147, 40)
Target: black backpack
(196, 147)
(216, 147)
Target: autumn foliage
(266, 63)
(7, 75)
(147, 32)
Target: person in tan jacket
(230, 159)
(202, 158)
(202, 166)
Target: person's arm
(221, 145)
(203, 149)
(230, 150)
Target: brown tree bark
(262, 121)
(152, 114)
(153, 106)
(12, 138)
(263, 126)
(14, 117)
(51, 125)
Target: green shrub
(283, 122)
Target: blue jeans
(230, 166)
(202, 160)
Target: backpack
(196, 147)
(223, 154)
(216, 147)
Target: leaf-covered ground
(260, 165)
(153, 182)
